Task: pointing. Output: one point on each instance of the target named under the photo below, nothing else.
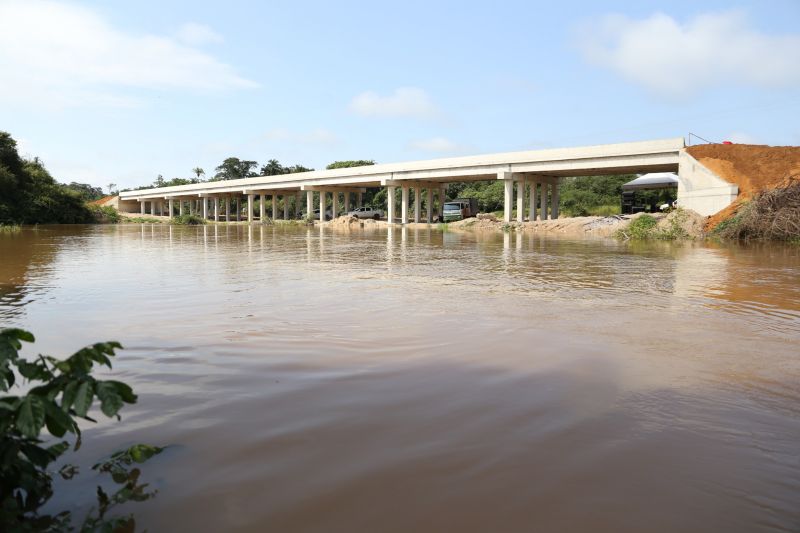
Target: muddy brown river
(309, 380)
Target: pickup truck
(366, 212)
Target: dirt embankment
(753, 168)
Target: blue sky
(119, 91)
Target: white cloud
(438, 145)
(677, 59)
(403, 102)
(195, 34)
(316, 136)
(57, 54)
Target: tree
(349, 164)
(112, 188)
(272, 168)
(30, 195)
(86, 192)
(234, 168)
(198, 171)
(159, 181)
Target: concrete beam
(332, 189)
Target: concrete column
(238, 208)
(261, 207)
(250, 207)
(216, 209)
(404, 206)
(532, 215)
(205, 208)
(227, 209)
(417, 203)
(442, 200)
(297, 199)
(346, 202)
(274, 207)
(335, 208)
(360, 201)
(429, 206)
(180, 207)
(322, 206)
(554, 200)
(543, 202)
(285, 207)
(309, 203)
(171, 206)
(508, 196)
(520, 201)
(141, 206)
(390, 201)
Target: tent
(655, 180)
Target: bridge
(530, 179)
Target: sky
(113, 91)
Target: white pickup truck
(366, 212)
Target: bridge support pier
(322, 201)
(285, 207)
(532, 215)
(417, 203)
(543, 202)
(554, 200)
(521, 201)
(390, 202)
(404, 205)
(205, 208)
(335, 205)
(309, 204)
(429, 206)
(508, 195)
(216, 209)
(250, 208)
(274, 207)
(346, 202)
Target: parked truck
(459, 209)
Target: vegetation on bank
(188, 220)
(59, 393)
(646, 227)
(773, 215)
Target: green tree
(272, 168)
(85, 191)
(234, 168)
(198, 171)
(349, 164)
(112, 188)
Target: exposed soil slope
(754, 168)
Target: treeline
(30, 195)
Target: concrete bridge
(530, 178)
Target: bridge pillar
(521, 201)
(360, 200)
(309, 204)
(554, 200)
(417, 203)
(346, 202)
(261, 207)
(335, 206)
(508, 195)
(205, 208)
(543, 202)
(404, 205)
(532, 215)
(322, 206)
(249, 208)
(285, 207)
(171, 206)
(227, 209)
(297, 199)
(429, 210)
(216, 209)
(390, 201)
(442, 200)
(141, 206)
(274, 207)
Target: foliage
(274, 168)
(142, 220)
(350, 164)
(646, 227)
(61, 391)
(197, 171)
(234, 168)
(30, 195)
(771, 215)
(640, 228)
(104, 213)
(10, 228)
(188, 220)
(85, 192)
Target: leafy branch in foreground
(62, 392)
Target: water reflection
(410, 379)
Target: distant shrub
(104, 214)
(188, 220)
(772, 215)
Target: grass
(645, 227)
(105, 214)
(604, 210)
(443, 226)
(10, 228)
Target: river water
(427, 381)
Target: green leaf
(17, 333)
(83, 398)
(58, 422)
(37, 455)
(68, 397)
(110, 401)
(124, 391)
(142, 452)
(30, 417)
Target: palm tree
(198, 171)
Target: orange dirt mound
(103, 200)
(754, 168)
